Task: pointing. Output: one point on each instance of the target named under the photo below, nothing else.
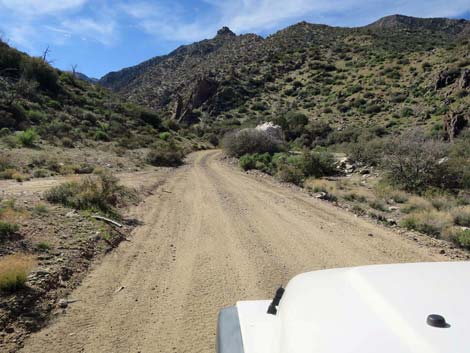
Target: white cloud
(102, 31)
(168, 21)
(41, 7)
(31, 23)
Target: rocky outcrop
(454, 123)
(204, 89)
(446, 78)
(225, 31)
(464, 81)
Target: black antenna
(277, 298)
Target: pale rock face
(271, 129)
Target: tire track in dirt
(214, 237)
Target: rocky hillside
(66, 109)
(396, 72)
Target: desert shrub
(10, 173)
(40, 209)
(378, 205)
(462, 216)
(101, 135)
(415, 163)
(10, 141)
(249, 141)
(165, 157)
(317, 164)
(247, 162)
(406, 112)
(289, 173)
(55, 128)
(28, 137)
(151, 118)
(43, 246)
(440, 202)
(164, 136)
(7, 229)
(293, 124)
(37, 69)
(415, 204)
(10, 60)
(431, 223)
(318, 132)
(41, 173)
(257, 161)
(67, 142)
(36, 116)
(14, 271)
(96, 193)
(5, 162)
(4, 132)
(373, 109)
(259, 106)
(367, 152)
(385, 191)
(353, 197)
(462, 238)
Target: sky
(100, 36)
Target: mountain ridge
(384, 22)
(344, 75)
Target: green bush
(96, 193)
(414, 162)
(367, 152)
(101, 135)
(257, 161)
(7, 229)
(289, 173)
(462, 217)
(462, 238)
(292, 124)
(429, 222)
(5, 132)
(249, 141)
(43, 246)
(165, 157)
(5, 162)
(247, 162)
(317, 164)
(151, 118)
(164, 136)
(37, 69)
(28, 137)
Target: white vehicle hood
(371, 309)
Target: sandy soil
(211, 235)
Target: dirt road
(211, 235)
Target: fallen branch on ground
(107, 220)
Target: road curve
(211, 235)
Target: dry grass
(429, 222)
(386, 192)
(14, 270)
(318, 185)
(415, 204)
(461, 216)
(11, 214)
(442, 203)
